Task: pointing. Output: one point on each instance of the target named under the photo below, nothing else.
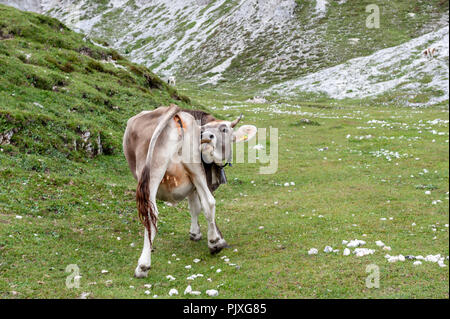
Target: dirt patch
(95, 54)
(4, 219)
(5, 138)
(4, 35)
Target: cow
(171, 81)
(429, 53)
(176, 154)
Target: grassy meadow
(355, 170)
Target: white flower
(188, 267)
(170, 277)
(417, 263)
(18, 217)
(432, 258)
(148, 286)
(218, 270)
(212, 293)
(363, 252)
(393, 259)
(420, 257)
(196, 260)
(85, 295)
(188, 290)
(346, 252)
(147, 292)
(313, 251)
(328, 249)
(379, 243)
(173, 291)
(356, 243)
(104, 271)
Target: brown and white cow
(176, 154)
(429, 52)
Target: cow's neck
(215, 175)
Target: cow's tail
(146, 208)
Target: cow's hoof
(195, 237)
(217, 247)
(141, 271)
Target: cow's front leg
(195, 207)
(215, 239)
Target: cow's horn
(236, 121)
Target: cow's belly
(176, 184)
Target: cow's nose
(208, 135)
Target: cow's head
(217, 139)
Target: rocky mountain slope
(257, 42)
(401, 69)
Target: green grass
(55, 86)
(75, 206)
(84, 207)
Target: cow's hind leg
(195, 207)
(144, 262)
(158, 167)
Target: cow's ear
(244, 133)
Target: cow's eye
(224, 130)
